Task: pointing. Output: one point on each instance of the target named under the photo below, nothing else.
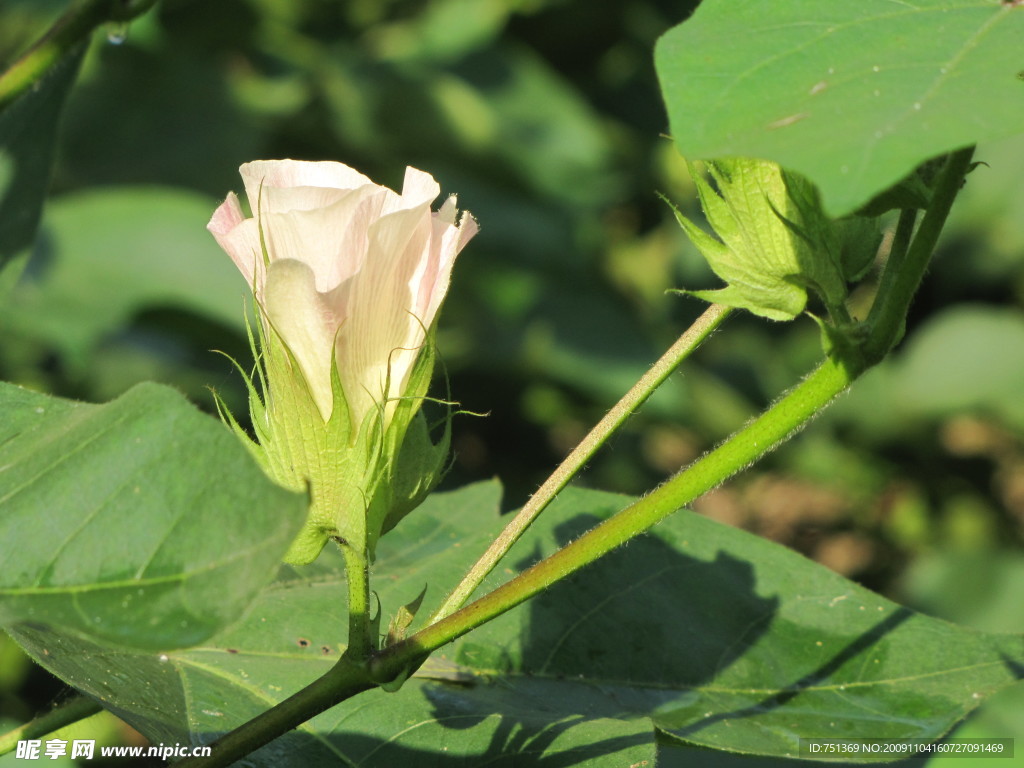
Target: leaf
(852, 95)
(715, 635)
(140, 523)
(28, 135)
(107, 254)
(291, 635)
(756, 646)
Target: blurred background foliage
(545, 117)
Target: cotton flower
(354, 270)
(348, 277)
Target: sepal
(774, 241)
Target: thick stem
(65, 34)
(357, 576)
(637, 395)
(71, 711)
(344, 680)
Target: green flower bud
(774, 240)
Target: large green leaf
(141, 523)
(730, 641)
(853, 95)
(719, 637)
(28, 133)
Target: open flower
(353, 271)
(348, 278)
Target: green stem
(784, 418)
(898, 285)
(66, 33)
(637, 395)
(357, 576)
(345, 679)
(901, 238)
(71, 711)
(904, 270)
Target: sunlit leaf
(852, 95)
(141, 523)
(718, 637)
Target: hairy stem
(357, 576)
(344, 680)
(784, 418)
(65, 34)
(581, 454)
(71, 711)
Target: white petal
(331, 240)
(306, 324)
(418, 189)
(381, 334)
(448, 210)
(430, 285)
(290, 177)
(240, 239)
(468, 227)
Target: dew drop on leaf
(117, 33)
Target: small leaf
(774, 242)
(404, 618)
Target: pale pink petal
(240, 240)
(331, 240)
(292, 175)
(425, 276)
(468, 227)
(227, 216)
(448, 210)
(418, 189)
(305, 323)
(356, 270)
(430, 283)
(380, 333)
(276, 200)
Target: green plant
(161, 601)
